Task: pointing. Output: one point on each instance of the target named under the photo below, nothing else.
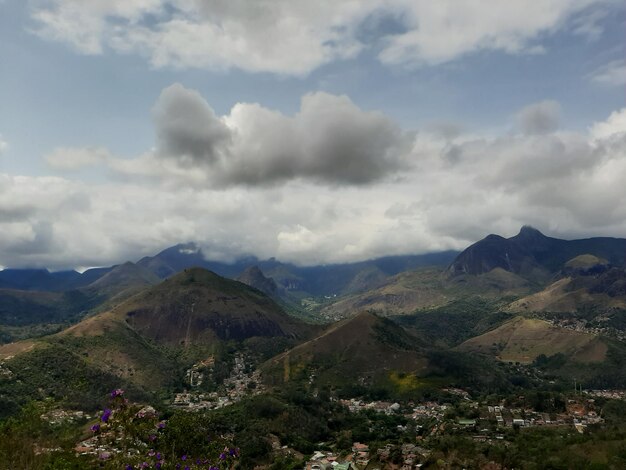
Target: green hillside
(425, 289)
(149, 340)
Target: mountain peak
(254, 277)
(529, 231)
(533, 240)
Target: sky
(314, 132)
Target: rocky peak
(254, 277)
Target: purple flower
(128, 467)
(184, 457)
(104, 456)
(106, 415)
(118, 392)
(145, 465)
(161, 425)
(159, 456)
(222, 456)
(152, 437)
(187, 467)
(233, 452)
(95, 428)
(157, 465)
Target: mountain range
(499, 301)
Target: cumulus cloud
(458, 188)
(330, 140)
(539, 118)
(612, 74)
(296, 36)
(187, 128)
(3, 145)
(615, 125)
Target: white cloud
(459, 188)
(612, 74)
(615, 125)
(295, 37)
(283, 36)
(74, 158)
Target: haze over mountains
(536, 273)
(495, 266)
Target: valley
(390, 363)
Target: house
(343, 466)
(358, 447)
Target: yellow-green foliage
(404, 382)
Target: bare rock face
(254, 277)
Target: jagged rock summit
(254, 277)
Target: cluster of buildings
(357, 459)
(61, 416)
(195, 375)
(236, 386)
(524, 417)
(584, 327)
(429, 410)
(612, 394)
(410, 455)
(578, 414)
(402, 457)
(99, 446)
(355, 406)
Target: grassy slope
(569, 296)
(428, 288)
(522, 340)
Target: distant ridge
(531, 254)
(325, 279)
